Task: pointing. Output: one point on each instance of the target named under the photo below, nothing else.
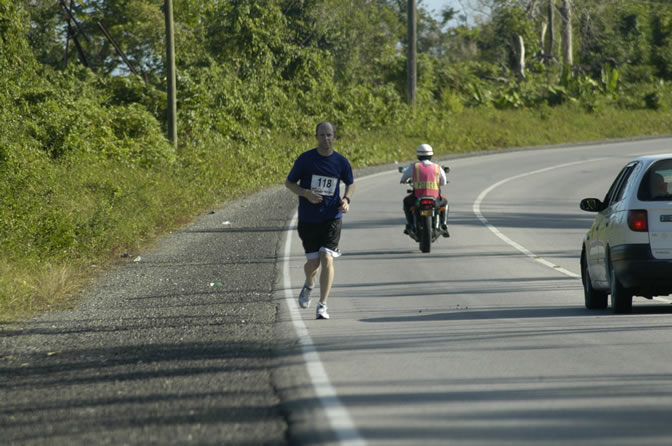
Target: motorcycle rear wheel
(426, 234)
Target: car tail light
(427, 202)
(638, 221)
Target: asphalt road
(485, 340)
(482, 341)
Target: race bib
(323, 185)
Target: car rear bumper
(636, 268)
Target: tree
(512, 29)
(14, 48)
(624, 34)
(519, 54)
(567, 42)
(137, 25)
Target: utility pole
(170, 72)
(549, 52)
(412, 53)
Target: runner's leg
(310, 268)
(326, 275)
(311, 239)
(328, 251)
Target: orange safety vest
(426, 178)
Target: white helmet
(424, 150)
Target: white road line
(338, 416)
(518, 246)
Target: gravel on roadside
(174, 348)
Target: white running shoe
(304, 297)
(321, 312)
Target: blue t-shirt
(323, 175)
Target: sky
(438, 5)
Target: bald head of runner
(325, 132)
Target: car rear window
(656, 182)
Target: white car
(628, 250)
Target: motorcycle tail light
(427, 202)
(638, 221)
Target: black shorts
(320, 235)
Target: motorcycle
(426, 217)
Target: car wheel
(595, 299)
(621, 297)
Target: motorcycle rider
(428, 177)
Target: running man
(315, 178)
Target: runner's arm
(301, 192)
(349, 191)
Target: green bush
(451, 101)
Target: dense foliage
(86, 172)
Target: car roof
(648, 159)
